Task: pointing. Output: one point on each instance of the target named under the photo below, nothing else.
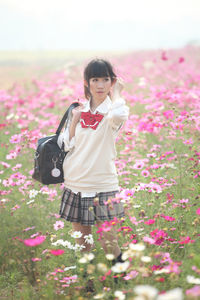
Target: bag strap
(64, 118)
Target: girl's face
(99, 87)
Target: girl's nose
(100, 84)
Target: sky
(119, 25)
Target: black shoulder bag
(49, 157)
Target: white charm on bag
(55, 172)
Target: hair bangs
(98, 69)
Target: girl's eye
(105, 79)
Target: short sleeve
(64, 137)
(118, 113)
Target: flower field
(158, 165)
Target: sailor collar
(101, 108)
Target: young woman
(90, 175)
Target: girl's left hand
(118, 86)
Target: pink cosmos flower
(138, 165)
(168, 218)
(173, 267)
(58, 225)
(18, 166)
(188, 142)
(36, 259)
(163, 56)
(198, 211)
(35, 241)
(57, 252)
(149, 222)
(131, 275)
(4, 164)
(185, 240)
(194, 291)
(16, 138)
(145, 173)
(15, 207)
(29, 228)
(181, 59)
(169, 114)
(2, 125)
(184, 201)
(148, 240)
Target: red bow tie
(90, 120)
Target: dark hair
(97, 68)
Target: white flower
(136, 206)
(137, 247)
(63, 243)
(110, 256)
(161, 271)
(99, 296)
(10, 116)
(76, 234)
(192, 279)
(33, 193)
(29, 202)
(102, 267)
(86, 258)
(44, 192)
(78, 247)
(119, 295)
(142, 81)
(147, 291)
(145, 258)
(140, 229)
(175, 294)
(58, 242)
(89, 239)
(120, 267)
(69, 268)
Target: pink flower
(163, 56)
(15, 207)
(198, 211)
(194, 291)
(15, 139)
(138, 165)
(168, 218)
(188, 142)
(186, 240)
(148, 240)
(184, 201)
(34, 242)
(131, 275)
(29, 228)
(36, 259)
(149, 222)
(57, 252)
(181, 59)
(169, 114)
(58, 225)
(145, 173)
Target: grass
(177, 165)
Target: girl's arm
(118, 87)
(68, 136)
(119, 111)
(76, 113)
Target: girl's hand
(118, 87)
(76, 113)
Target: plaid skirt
(87, 210)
